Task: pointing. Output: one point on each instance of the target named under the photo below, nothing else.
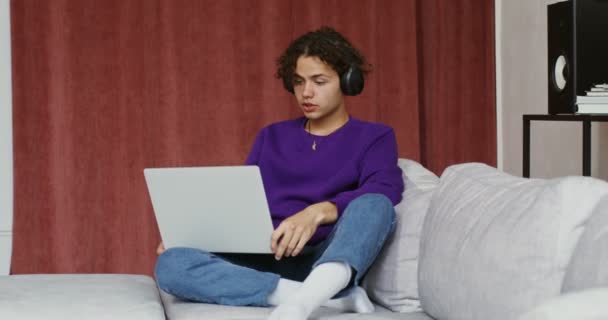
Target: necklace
(314, 141)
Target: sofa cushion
(177, 309)
(493, 245)
(583, 305)
(392, 281)
(589, 264)
(79, 296)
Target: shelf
(586, 120)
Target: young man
(331, 182)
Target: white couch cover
(79, 296)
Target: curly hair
(328, 45)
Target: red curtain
(104, 89)
(457, 82)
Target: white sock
(322, 283)
(285, 289)
(356, 300)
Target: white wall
(556, 147)
(498, 56)
(6, 140)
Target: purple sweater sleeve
(379, 173)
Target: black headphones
(351, 82)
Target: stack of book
(594, 102)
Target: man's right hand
(160, 249)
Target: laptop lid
(216, 209)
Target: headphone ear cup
(352, 81)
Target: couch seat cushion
(79, 296)
(177, 309)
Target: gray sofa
(475, 244)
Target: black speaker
(577, 34)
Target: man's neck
(326, 126)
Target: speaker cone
(560, 73)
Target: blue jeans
(248, 279)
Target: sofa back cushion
(589, 264)
(494, 245)
(392, 281)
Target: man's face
(317, 89)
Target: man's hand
(160, 249)
(294, 232)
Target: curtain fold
(457, 81)
(104, 89)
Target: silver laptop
(217, 209)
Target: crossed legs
(351, 248)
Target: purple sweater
(358, 158)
